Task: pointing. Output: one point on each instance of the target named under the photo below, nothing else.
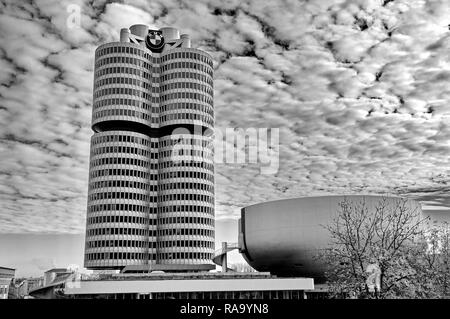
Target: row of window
(125, 112)
(119, 256)
(185, 255)
(123, 183)
(186, 244)
(120, 231)
(124, 101)
(153, 199)
(186, 139)
(118, 207)
(120, 243)
(186, 75)
(187, 151)
(152, 188)
(171, 55)
(178, 150)
(146, 175)
(187, 106)
(187, 174)
(185, 197)
(150, 221)
(186, 232)
(97, 139)
(186, 220)
(169, 142)
(186, 164)
(123, 80)
(122, 195)
(187, 116)
(176, 142)
(196, 186)
(145, 116)
(125, 149)
(147, 209)
(121, 219)
(187, 85)
(120, 172)
(150, 232)
(127, 71)
(186, 208)
(123, 161)
(122, 49)
(144, 256)
(150, 244)
(150, 198)
(123, 90)
(99, 62)
(186, 95)
(186, 65)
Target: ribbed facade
(151, 176)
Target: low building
(6, 277)
(205, 285)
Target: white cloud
(360, 92)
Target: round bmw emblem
(154, 41)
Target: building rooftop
(57, 270)
(179, 276)
(188, 284)
(7, 273)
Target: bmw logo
(154, 41)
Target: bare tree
(432, 263)
(385, 235)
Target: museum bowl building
(284, 237)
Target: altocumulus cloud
(359, 89)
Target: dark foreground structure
(284, 237)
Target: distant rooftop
(57, 270)
(6, 268)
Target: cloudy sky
(360, 90)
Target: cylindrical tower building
(151, 177)
(186, 175)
